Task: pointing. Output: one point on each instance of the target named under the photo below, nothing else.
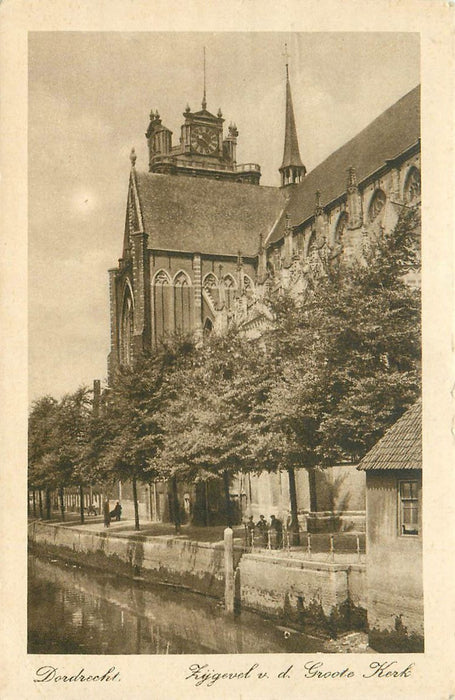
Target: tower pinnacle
(204, 99)
(292, 169)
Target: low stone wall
(330, 595)
(196, 565)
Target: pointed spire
(133, 157)
(204, 99)
(292, 169)
(291, 153)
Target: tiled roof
(207, 216)
(401, 446)
(386, 137)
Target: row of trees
(339, 367)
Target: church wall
(391, 181)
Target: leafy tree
(131, 433)
(206, 418)
(344, 361)
(40, 445)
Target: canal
(72, 610)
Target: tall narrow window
(182, 304)
(409, 507)
(229, 291)
(163, 321)
(126, 339)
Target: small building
(393, 469)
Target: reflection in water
(76, 611)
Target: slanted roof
(386, 137)
(202, 215)
(401, 446)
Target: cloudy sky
(90, 95)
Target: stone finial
(352, 177)
(152, 115)
(133, 157)
(287, 224)
(239, 259)
(261, 242)
(187, 108)
(157, 115)
(219, 114)
(233, 131)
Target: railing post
(332, 550)
(358, 547)
(228, 570)
(269, 542)
(309, 545)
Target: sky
(90, 95)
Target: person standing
(276, 527)
(262, 528)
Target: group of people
(263, 533)
(111, 514)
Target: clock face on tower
(204, 140)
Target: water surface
(82, 611)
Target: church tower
(292, 169)
(203, 150)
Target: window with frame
(409, 507)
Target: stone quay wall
(307, 594)
(198, 566)
(304, 592)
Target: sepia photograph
(225, 415)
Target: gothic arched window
(229, 291)
(412, 185)
(182, 303)
(210, 286)
(377, 204)
(126, 330)
(248, 285)
(162, 305)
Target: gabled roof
(386, 137)
(203, 215)
(401, 446)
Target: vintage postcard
(227, 294)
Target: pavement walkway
(320, 543)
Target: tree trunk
(40, 503)
(313, 493)
(207, 509)
(294, 524)
(62, 502)
(176, 505)
(34, 502)
(48, 504)
(227, 498)
(136, 505)
(81, 496)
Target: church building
(204, 242)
